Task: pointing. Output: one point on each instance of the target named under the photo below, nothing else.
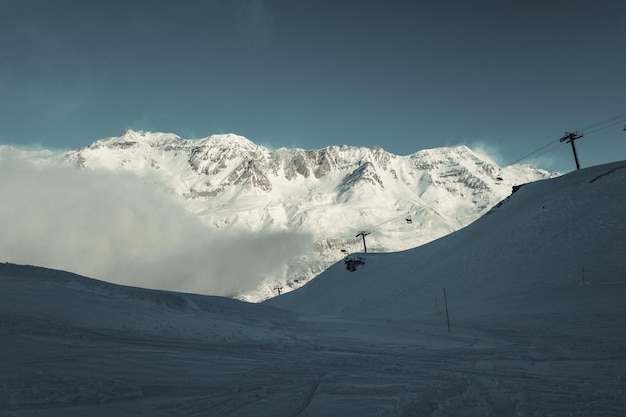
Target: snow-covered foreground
(532, 332)
(76, 347)
(73, 347)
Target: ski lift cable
(546, 151)
(616, 119)
(592, 128)
(606, 126)
(552, 142)
(412, 212)
(393, 219)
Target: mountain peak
(146, 136)
(131, 138)
(234, 184)
(231, 140)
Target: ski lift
(499, 177)
(408, 219)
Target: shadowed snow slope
(43, 296)
(555, 244)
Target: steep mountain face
(329, 194)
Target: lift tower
(363, 234)
(570, 137)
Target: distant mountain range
(330, 194)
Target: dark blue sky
(505, 76)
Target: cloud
(113, 227)
(487, 151)
(549, 163)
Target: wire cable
(622, 120)
(552, 142)
(615, 119)
(587, 130)
(547, 150)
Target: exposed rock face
(297, 166)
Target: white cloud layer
(113, 227)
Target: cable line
(548, 150)
(413, 212)
(612, 119)
(587, 130)
(608, 125)
(533, 152)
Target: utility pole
(363, 234)
(570, 137)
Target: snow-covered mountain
(328, 194)
(548, 238)
(534, 290)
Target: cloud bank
(112, 226)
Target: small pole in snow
(446, 301)
(278, 289)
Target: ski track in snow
(330, 369)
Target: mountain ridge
(231, 183)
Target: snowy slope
(566, 234)
(326, 195)
(528, 336)
(43, 295)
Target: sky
(508, 78)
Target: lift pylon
(570, 137)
